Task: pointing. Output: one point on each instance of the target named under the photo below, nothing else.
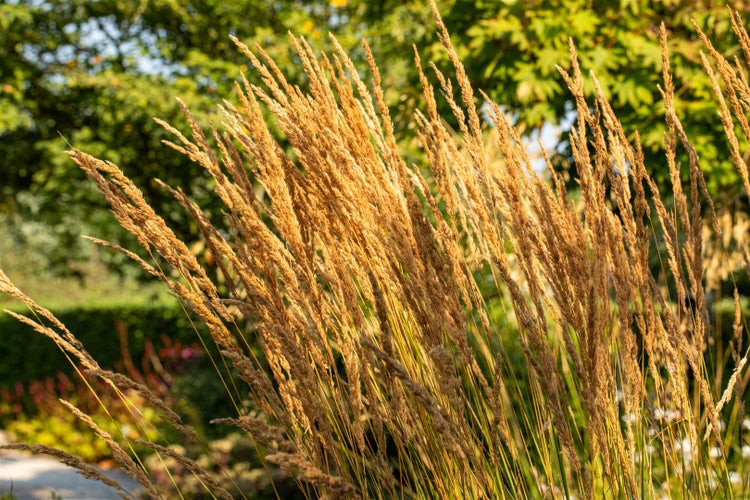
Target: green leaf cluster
(513, 48)
(510, 50)
(94, 74)
(29, 356)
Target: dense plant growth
(107, 331)
(461, 328)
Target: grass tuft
(460, 328)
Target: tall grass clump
(459, 328)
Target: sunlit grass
(461, 328)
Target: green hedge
(26, 355)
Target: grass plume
(461, 328)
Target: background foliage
(28, 356)
(95, 73)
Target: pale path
(34, 477)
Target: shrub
(182, 376)
(370, 287)
(109, 333)
(232, 462)
(36, 415)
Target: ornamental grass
(458, 327)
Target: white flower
(745, 451)
(714, 452)
(666, 414)
(683, 445)
(630, 417)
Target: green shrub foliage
(28, 356)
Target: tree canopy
(95, 73)
(511, 49)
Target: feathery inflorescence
(387, 298)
